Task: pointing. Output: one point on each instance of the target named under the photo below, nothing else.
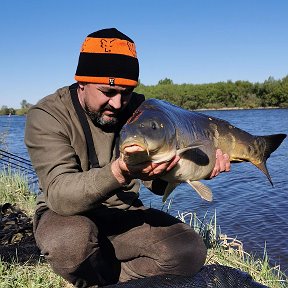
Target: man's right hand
(144, 171)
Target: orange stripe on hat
(106, 80)
(109, 45)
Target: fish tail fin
(272, 142)
(262, 166)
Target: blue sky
(188, 41)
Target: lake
(247, 206)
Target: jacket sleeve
(68, 190)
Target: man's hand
(150, 171)
(144, 171)
(222, 163)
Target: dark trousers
(112, 245)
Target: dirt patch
(17, 242)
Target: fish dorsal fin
(204, 191)
(170, 187)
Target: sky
(187, 41)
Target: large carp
(158, 130)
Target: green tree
(24, 104)
(4, 110)
(165, 81)
(242, 94)
(7, 111)
(24, 107)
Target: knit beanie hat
(108, 57)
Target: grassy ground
(229, 252)
(37, 273)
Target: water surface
(247, 206)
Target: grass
(222, 249)
(14, 189)
(14, 275)
(227, 251)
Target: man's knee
(66, 241)
(193, 256)
(183, 254)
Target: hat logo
(111, 81)
(107, 45)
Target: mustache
(110, 108)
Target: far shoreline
(198, 109)
(238, 108)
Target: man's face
(103, 103)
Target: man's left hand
(222, 163)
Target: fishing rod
(15, 157)
(15, 165)
(15, 161)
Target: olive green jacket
(57, 148)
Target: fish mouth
(134, 152)
(134, 147)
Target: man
(89, 223)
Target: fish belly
(195, 164)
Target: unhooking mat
(210, 276)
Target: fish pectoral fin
(169, 189)
(204, 191)
(181, 151)
(194, 145)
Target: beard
(98, 118)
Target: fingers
(173, 163)
(227, 162)
(154, 170)
(150, 170)
(165, 167)
(222, 163)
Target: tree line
(220, 95)
(5, 110)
